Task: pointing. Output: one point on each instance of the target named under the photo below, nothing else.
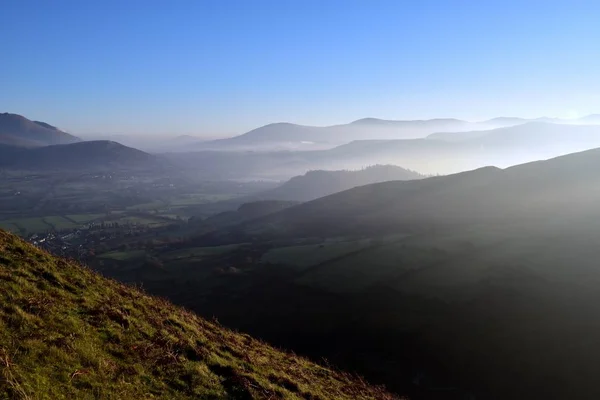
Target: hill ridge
(99, 154)
(17, 130)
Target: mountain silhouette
(17, 130)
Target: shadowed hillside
(564, 185)
(95, 155)
(17, 130)
(66, 332)
(315, 184)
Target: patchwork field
(305, 256)
(123, 255)
(199, 252)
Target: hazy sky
(222, 67)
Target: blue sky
(217, 67)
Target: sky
(222, 67)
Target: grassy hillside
(66, 332)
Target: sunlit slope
(66, 332)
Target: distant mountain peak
(19, 131)
(368, 121)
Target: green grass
(201, 198)
(28, 226)
(31, 225)
(379, 264)
(123, 255)
(9, 226)
(60, 223)
(147, 221)
(155, 205)
(68, 333)
(194, 252)
(310, 255)
(84, 218)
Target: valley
(390, 274)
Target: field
(145, 220)
(178, 205)
(155, 205)
(27, 225)
(84, 218)
(123, 255)
(199, 198)
(9, 226)
(199, 252)
(305, 256)
(56, 223)
(369, 266)
(60, 223)
(51, 223)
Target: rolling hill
(82, 156)
(67, 332)
(288, 136)
(300, 137)
(439, 153)
(16, 130)
(451, 152)
(310, 186)
(320, 183)
(488, 194)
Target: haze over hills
(287, 136)
(320, 183)
(17, 130)
(67, 331)
(459, 151)
(300, 137)
(439, 153)
(561, 185)
(151, 144)
(312, 185)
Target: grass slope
(66, 332)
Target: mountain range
(440, 153)
(287, 136)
